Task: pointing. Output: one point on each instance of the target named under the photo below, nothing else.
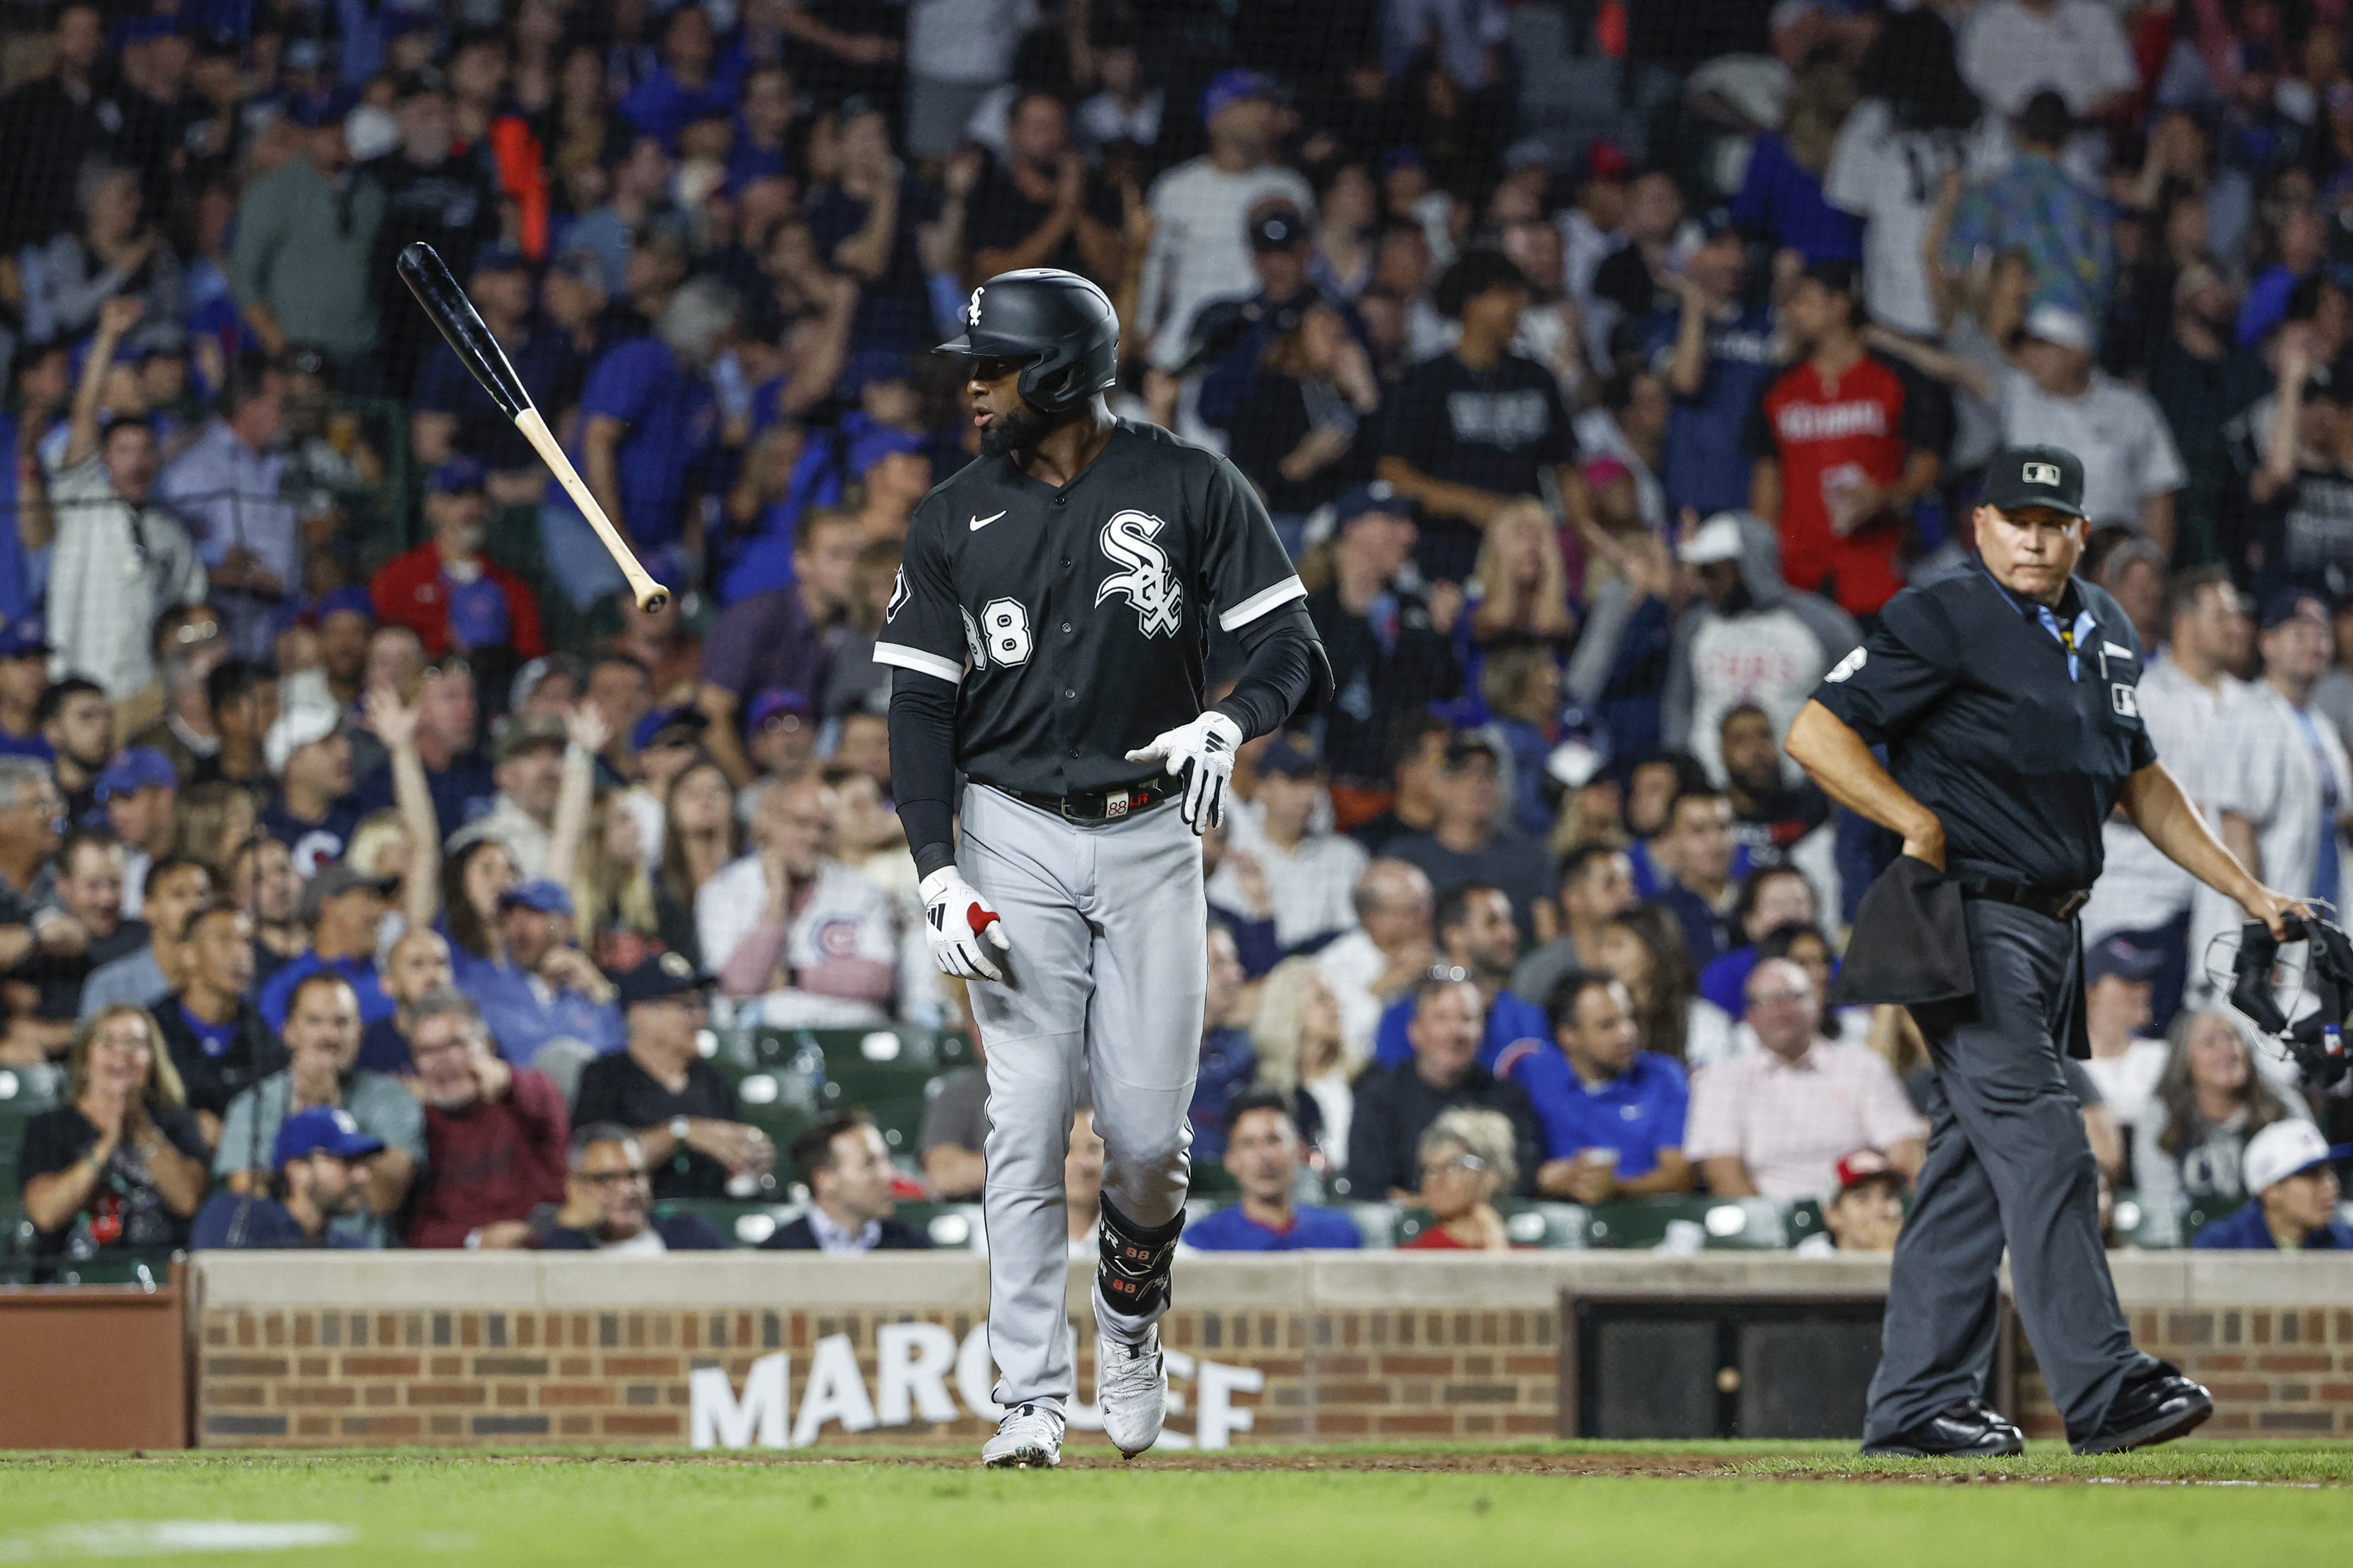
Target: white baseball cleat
(1028, 1437)
(1132, 1387)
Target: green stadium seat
(1411, 1223)
(1214, 1180)
(1688, 1223)
(1376, 1223)
(1802, 1219)
(1553, 1227)
(885, 1072)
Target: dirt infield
(2193, 1464)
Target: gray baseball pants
(2008, 1166)
(1102, 999)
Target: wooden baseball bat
(461, 326)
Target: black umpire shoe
(2156, 1407)
(1969, 1430)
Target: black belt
(2055, 906)
(1098, 806)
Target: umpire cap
(2021, 476)
(1062, 325)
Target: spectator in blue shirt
(865, 224)
(1477, 941)
(1699, 848)
(320, 1173)
(546, 1005)
(1263, 1156)
(694, 80)
(1612, 1114)
(1780, 199)
(2291, 1170)
(649, 423)
(341, 908)
(1228, 1064)
(1716, 356)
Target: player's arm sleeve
(924, 642)
(1903, 668)
(1261, 601)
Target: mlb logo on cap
(2040, 474)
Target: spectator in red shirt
(1844, 442)
(446, 591)
(1467, 1158)
(496, 1138)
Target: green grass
(1491, 1507)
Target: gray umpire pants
(1102, 999)
(2007, 1165)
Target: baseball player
(1048, 631)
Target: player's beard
(1016, 432)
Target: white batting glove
(962, 927)
(1202, 755)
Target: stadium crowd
(371, 872)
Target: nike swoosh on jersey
(980, 522)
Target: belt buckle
(2071, 904)
(1116, 804)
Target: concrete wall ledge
(958, 1281)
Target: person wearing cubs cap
(1866, 1213)
(2291, 1169)
(2006, 696)
(319, 1173)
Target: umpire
(2006, 696)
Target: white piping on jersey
(916, 659)
(1260, 603)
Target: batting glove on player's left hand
(962, 927)
(1202, 755)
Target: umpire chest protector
(2016, 723)
(1075, 622)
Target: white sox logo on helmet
(1148, 585)
(972, 310)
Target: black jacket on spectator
(799, 1236)
(616, 1089)
(254, 1052)
(679, 1232)
(1394, 1107)
(454, 206)
(1385, 663)
(1277, 413)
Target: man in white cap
(1748, 639)
(2291, 1169)
(312, 813)
(2058, 397)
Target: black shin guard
(1134, 1273)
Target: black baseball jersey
(1075, 622)
(2018, 732)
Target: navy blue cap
(2121, 960)
(135, 768)
(775, 702)
(311, 111)
(1378, 496)
(663, 975)
(866, 366)
(1228, 87)
(2282, 605)
(458, 475)
(348, 599)
(1290, 756)
(23, 638)
(661, 719)
(1278, 228)
(539, 893)
(501, 257)
(323, 1130)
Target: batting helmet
(1062, 325)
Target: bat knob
(654, 599)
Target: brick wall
(313, 1376)
(301, 1349)
(2274, 1372)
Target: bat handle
(649, 595)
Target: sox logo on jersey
(1147, 583)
